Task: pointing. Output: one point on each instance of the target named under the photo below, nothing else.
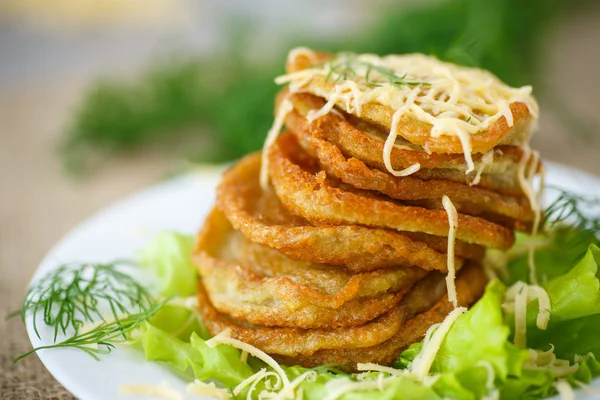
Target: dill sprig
(75, 294)
(343, 67)
(568, 208)
(102, 338)
(568, 215)
(72, 295)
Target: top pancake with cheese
(439, 106)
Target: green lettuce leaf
(480, 336)
(168, 257)
(576, 293)
(555, 254)
(179, 321)
(221, 362)
(575, 315)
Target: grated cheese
(517, 298)
(164, 391)
(527, 168)
(207, 389)
(423, 361)
(492, 391)
(452, 226)
(547, 361)
(486, 159)
(451, 96)
(285, 108)
(564, 390)
(288, 391)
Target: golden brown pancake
(467, 199)
(380, 340)
(259, 285)
(470, 286)
(305, 190)
(363, 141)
(419, 132)
(261, 217)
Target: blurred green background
(218, 101)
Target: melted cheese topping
(457, 101)
(452, 226)
(423, 361)
(207, 389)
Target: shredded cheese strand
(207, 389)
(517, 298)
(391, 140)
(163, 391)
(422, 363)
(530, 158)
(284, 109)
(288, 391)
(452, 226)
(486, 159)
(225, 338)
(564, 390)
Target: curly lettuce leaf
(576, 293)
(320, 388)
(221, 362)
(555, 253)
(168, 257)
(179, 321)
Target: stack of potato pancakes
(366, 221)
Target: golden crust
(419, 132)
(380, 340)
(467, 199)
(261, 286)
(470, 286)
(310, 194)
(296, 341)
(261, 217)
(351, 136)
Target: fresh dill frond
(102, 338)
(74, 294)
(575, 213)
(343, 67)
(568, 208)
(392, 78)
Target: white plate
(120, 231)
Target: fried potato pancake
(295, 341)
(470, 285)
(364, 141)
(305, 190)
(259, 285)
(261, 217)
(376, 341)
(467, 199)
(419, 132)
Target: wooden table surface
(38, 204)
